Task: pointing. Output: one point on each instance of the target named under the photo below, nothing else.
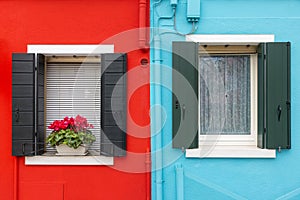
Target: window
(72, 88)
(229, 94)
(52, 81)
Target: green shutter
(261, 96)
(27, 113)
(274, 118)
(185, 95)
(113, 104)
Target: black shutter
(113, 104)
(24, 113)
(185, 95)
(23, 103)
(274, 115)
(40, 105)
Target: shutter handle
(176, 104)
(279, 112)
(183, 112)
(17, 114)
(23, 148)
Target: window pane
(225, 95)
(73, 89)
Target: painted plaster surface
(75, 22)
(225, 178)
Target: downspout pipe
(158, 118)
(143, 44)
(148, 174)
(16, 178)
(179, 182)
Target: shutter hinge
(288, 104)
(182, 149)
(265, 130)
(265, 56)
(279, 149)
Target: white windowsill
(51, 159)
(230, 152)
(233, 39)
(56, 49)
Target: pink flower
(78, 124)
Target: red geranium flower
(78, 124)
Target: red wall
(25, 22)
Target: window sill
(52, 159)
(230, 152)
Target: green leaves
(70, 131)
(70, 138)
(89, 138)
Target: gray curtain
(225, 101)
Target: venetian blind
(73, 88)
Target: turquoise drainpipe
(179, 182)
(157, 118)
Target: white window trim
(234, 39)
(230, 152)
(69, 160)
(66, 50)
(233, 146)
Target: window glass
(225, 95)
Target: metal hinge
(288, 104)
(279, 149)
(182, 149)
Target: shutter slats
(23, 100)
(274, 121)
(114, 110)
(185, 95)
(40, 105)
(28, 109)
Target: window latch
(176, 104)
(183, 112)
(279, 112)
(17, 114)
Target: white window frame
(233, 146)
(68, 50)
(236, 140)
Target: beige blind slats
(227, 49)
(73, 59)
(72, 89)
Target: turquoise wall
(223, 179)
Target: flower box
(71, 136)
(65, 150)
